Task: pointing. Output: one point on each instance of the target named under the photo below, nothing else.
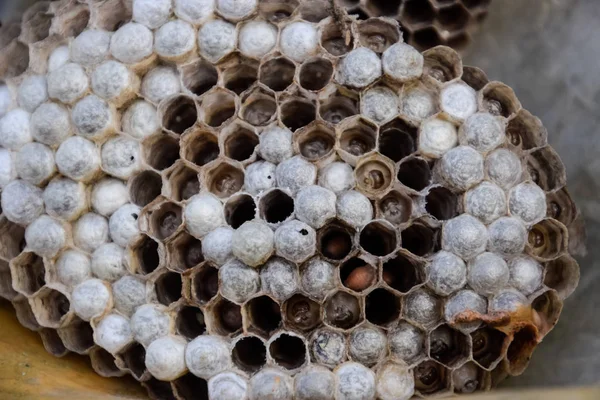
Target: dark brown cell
(316, 74)
(277, 73)
(239, 209)
(227, 317)
(335, 241)
(78, 336)
(418, 239)
(382, 307)
(217, 108)
(168, 288)
(395, 207)
(430, 377)
(276, 206)
(378, 34)
(339, 106)
(302, 313)
(441, 203)
(240, 144)
(356, 274)
(316, 141)
(199, 77)
(190, 387)
(414, 173)
(179, 114)
(145, 187)
(378, 238)
(146, 255)
(296, 113)
(225, 179)
(190, 322)
(402, 273)
(336, 42)
(288, 351)
(397, 140)
(358, 138)
(249, 354)
(205, 284)
(264, 315)
(133, 358)
(162, 153)
(342, 310)
(448, 346)
(488, 344)
(28, 273)
(165, 220)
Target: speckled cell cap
(273, 200)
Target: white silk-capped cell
(151, 13)
(436, 137)
(141, 120)
(78, 158)
(35, 163)
(236, 9)
(108, 195)
(299, 40)
(160, 83)
(32, 92)
(65, 198)
(59, 57)
(93, 117)
(7, 167)
(45, 236)
(68, 83)
(194, 11)
(112, 80)
(132, 43)
(22, 202)
(50, 124)
(121, 157)
(216, 39)
(6, 99)
(123, 224)
(203, 213)
(257, 38)
(90, 47)
(15, 129)
(174, 39)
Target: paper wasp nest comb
(426, 23)
(264, 199)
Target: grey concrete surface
(549, 52)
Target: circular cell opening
(487, 346)
(430, 377)
(335, 242)
(168, 288)
(338, 108)
(417, 11)
(239, 209)
(218, 108)
(441, 203)
(180, 114)
(228, 317)
(395, 208)
(374, 176)
(377, 34)
(145, 187)
(358, 140)
(302, 313)
(190, 322)
(225, 180)
(203, 149)
(335, 42)
(206, 284)
(249, 354)
(316, 74)
(163, 153)
(147, 255)
(240, 144)
(259, 110)
(378, 238)
(276, 206)
(397, 142)
(357, 275)
(447, 345)
(166, 220)
(415, 174)
(199, 77)
(190, 386)
(418, 239)
(240, 78)
(382, 307)
(342, 310)
(288, 351)
(316, 144)
(401, 274)
(277, 73)
(134, 360)
(264, 314)
(297, 113)
(184, 184)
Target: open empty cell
(36, 22)
(225, 179)
(28, 273)
(546, 169)
(104, 363)
(474, 77)
(378, 34)
(217, 108)
(239, 143)
(358, 137)
(190, 322)
(226, 317)
(342, 310)
(335, 41)
(190, 387)
(459, 41)
(297, 112)
(316, 141)
(440, 63)
(239, 209)
(52, 342)
(165, 220)
(415, 173)
(334, 241)
(358, 275)
(146, 255)
(6, 290)
(199, 77)
(179, 113)
(259, 108)
(184, 182)
(397, 140)
(168, 288)
(547, 239)
(448, 346)
(302, 313)
(402, 274)
(488, 345)
(562, 275)
(382, 307)
(133, 358)
(395, 207)
(11, 239)
(418, 239)
(49, 307)
(205, 284)
(277, 10)
(240, 77)
(316, 73)
(288, 351)
(162, 153)
(314, 11)
(499, 99)
(441, 203)
(264, 315)
(427, 38)
(378, 238)
(249, 354)
(78, 336)
(276, 206)
(159, 389)
(277, 73)
(521, 348)
(339, 105)
(201, 148)
(145, 187)
(453, 18)
(431, 378)
(385, 8)
(548, 306)
(74, 22)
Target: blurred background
(548, 51)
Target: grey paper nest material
(240, 200)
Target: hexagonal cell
(337, 104)
(374, 175)
(25, 314)
(378, 34)
(301, 313)
(224, 179)
(336, 42)
(297, 112)
(239, 141)
(6, 290)
(397, 140)
(264, 315)
(239, 209)
(276, 206)
(249, 354)
(547, 239)
(431, 378)
(161, 153)
(562, 275)
(403, 273)
(415, 173)
(468, 378)
(448, 346)
(314, 10)
(190, 322)
(239, 73)
(52, 342)
(547, 307)
(28, 273)
(378, 238)
(499, 99)
(259, 107)
(277, 73)
(133, 359)
(441, 203)
(335, 240)
(77, 336)
(453, 17)
(225, 318)
(561, 206)
(419, 239)
(488, 346)
(315, 142)
(342, 310)
(145, 187)
(357, 137)
(218, 107)
(199, 77)
(441, 63)
(205, 284)
(190, 387)
(36, 22)
(288, 351)
(146, 255)
(417, 12)
(459, 41)
(395, 207)
(357, 275)
(183, 181)
(277, 10)
(11, 239)
(168, 288)
(546, 169)
(382, 307)
(165, 220)
(315, 73)
(474, 77)
(15, 60)
(426, 38)
(520, 349)
(159, 389)
(201, 147)
(104, 363)
(50, 308)
(110, 14)
(179, 113)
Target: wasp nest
(263, 199)
(425, 23)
